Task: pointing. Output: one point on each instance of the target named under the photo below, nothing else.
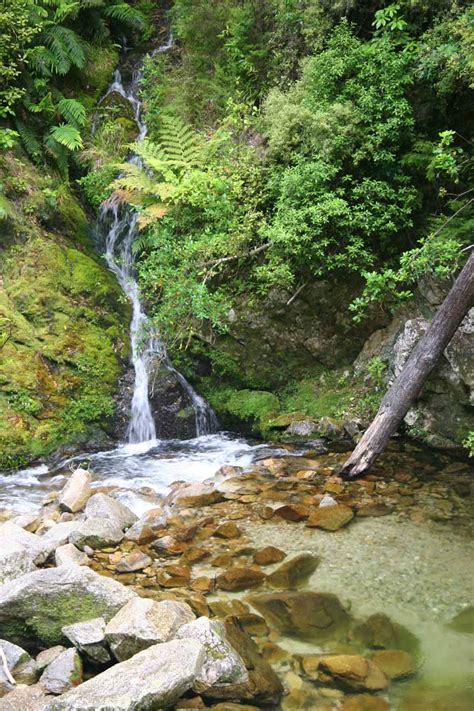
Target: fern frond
(150, 214)
(67, 48)
(126, 14)
(59, 153)
(179, 142)
(29, 139)
(73, 112)
(67, 135)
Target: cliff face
(63, 321)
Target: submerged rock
(330, 518)
(35, 607)
(222, 664)
(142, 623)
(365, 702)
(269, 555)
(152, 679)
(64, 672)
(355, 671)
(463, 621)
(303, 614)
(75, 494)
(379, 632)
(294, 572)
(235, 579)
(89, 638)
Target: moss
(247, 410)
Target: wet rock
(379, 632)
(310, 615)
(374, 509)
(330, 518)
(394, 663)
(196, 494)
(15, 560)
(97, 533)
(254, 624)
(48, 655)
(293, 512)
(26, 698)
(20, 665)
(75, 494)
(355, 671)
(152, 679)
(174, 576)
(64, 673)
(168, 545)
(228, 706)
(143, 623)
(463, 621)
(222, 664)
(365, 702)
(133, 562)
(235, 579)
(145, 529)
(203, 584)
(89, 638)
(35, 607)
(105, 507)
(263, 686)
(228, 530)
(70, 555)
(294, 572)
(268, 555)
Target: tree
(420, 363)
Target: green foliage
(468, 443)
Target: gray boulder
(35, 607)
(20, 665)
(26, 698)
(153, 679)
(37, 548)
(64, 672)
(144, 622)
(48, 655)
(89, 638)
(70, 555)
(15, 560)
(96, 533)
(222, 664)
(59, 534)
(74, 496)
(105, 507)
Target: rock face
(171, 405)
(35, 607)
(89, 638)
(310, 615)
(74, 496)
(64, 673)
(105, 507)
(142, 623)
(153, 679)
(222, 664)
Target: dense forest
(303, 159)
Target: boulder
(96, 533)
(59, 534)
(380, 632)
(105, 507)
(70, 555)
(330, 518)
(152, 679)
(20, 665)
(15, 560)
(76, 492)
(235, 579)
(26, 698)
(222, 664)
(145, 529)
(37, 548)
(89, 638)
(293, 573)
(310, 615)
(142, 623)
(35, 607)
(64, 672)
(394, 663)
(47, 656)
(196, 494)
(133, 562)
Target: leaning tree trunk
(405, 388)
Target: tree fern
(73, 112)
(67, 135)
(179, 143)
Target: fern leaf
(73, 112)
(179, 142)
(124, 13)
(66, 47)
(67, 135)
(150, 214)
(29, 139)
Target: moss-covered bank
(63, 319)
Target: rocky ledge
(181, 608)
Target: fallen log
(421, 361)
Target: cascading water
(118, 225)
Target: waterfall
(118, 226)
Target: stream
(419, 571)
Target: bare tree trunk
(421, 361)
